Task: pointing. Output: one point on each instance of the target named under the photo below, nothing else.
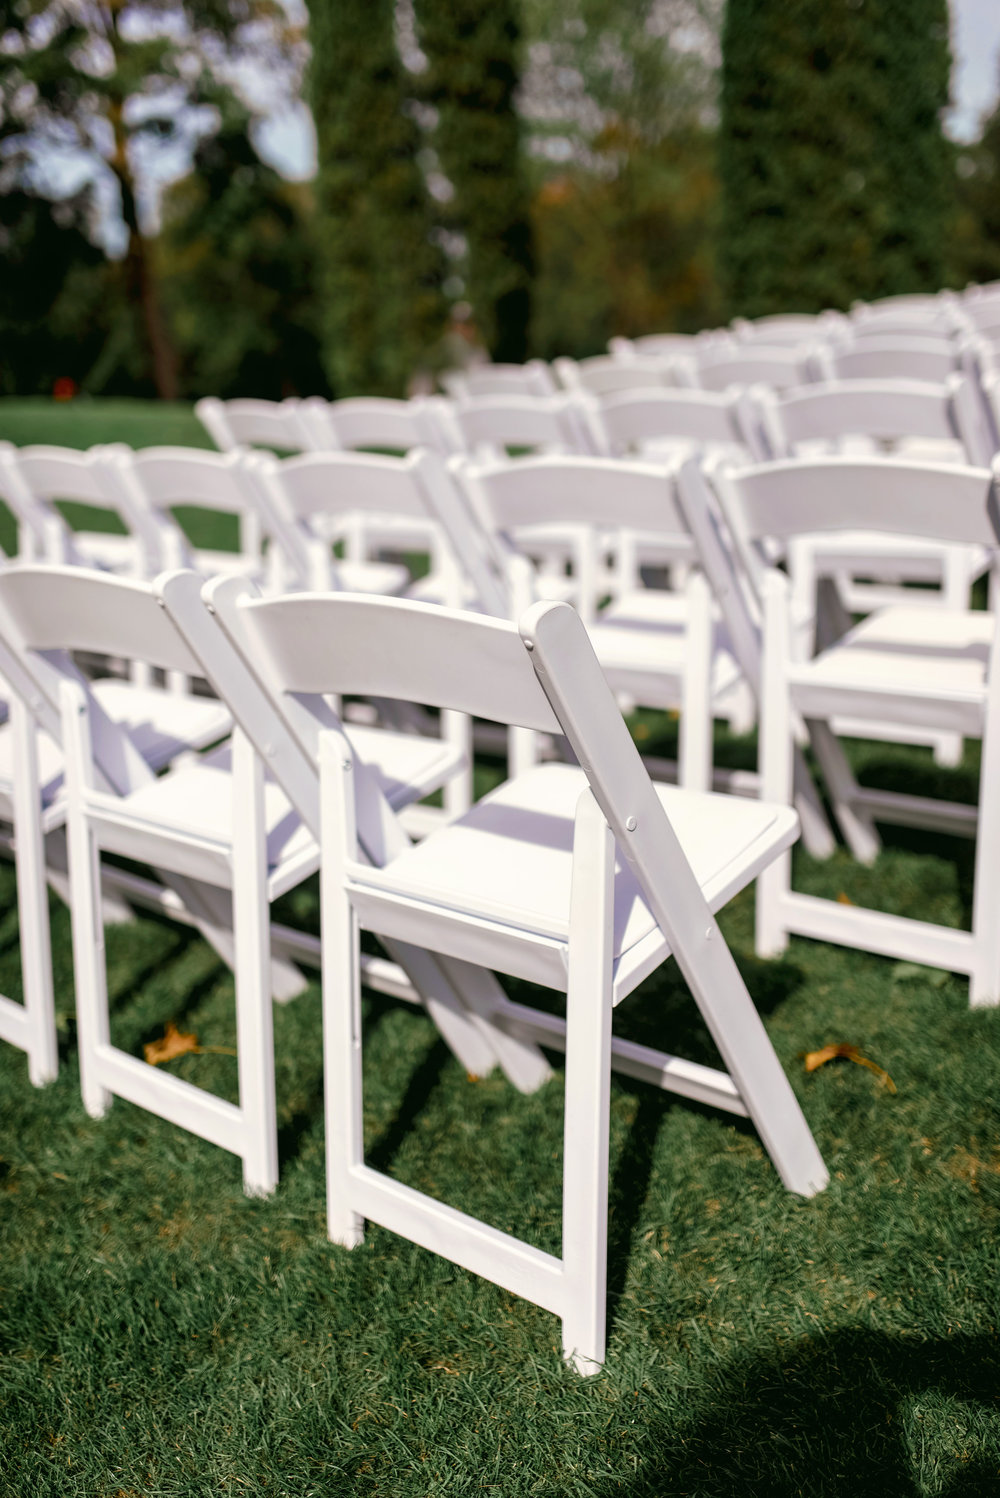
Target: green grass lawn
(83, 423)
(161, 1334)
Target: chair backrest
(254, 423)
(536, 423)
(48, 611)
(541, 674)
(296, 493)
(754, 364)
(631, 421)
(780, 329)
(374, 422)
(533, 378)
(652, 345)
(884, 410)
(603, 374)
(597, 493)
(891, 357)
(164, 479)
(731, 511)
(789, 498)
(31, 478)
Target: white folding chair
(464, 1001)
(222, 836)
(491, 425)
(532, 378)
(669, 423)
(374, 421)
(928, 669)
(33, 478)
(750, 364)
(658, 649)
(254, 423)
(578, 878)
(165, 479)
(916, 420)
(889, 356)
(604, 374)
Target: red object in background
(64, 389)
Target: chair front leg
(32, 901)
(588, 1089)
(251, 970)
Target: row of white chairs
(526, 881)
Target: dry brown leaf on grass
(174, 1042)
(815, 1059)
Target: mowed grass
(161, 1334)
(84, 423)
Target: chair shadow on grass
(852, 1412)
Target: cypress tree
(836, 178)
(380, 273)
(472, 80)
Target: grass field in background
(82, 423)
(161, 1334)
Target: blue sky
(975, 40)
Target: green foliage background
(837, 181)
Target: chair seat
(162, 723)
(895, 558)
(408, 765)
(509, 860)
(195, 801)
(902, 654)
(642, 644)
(109, 551)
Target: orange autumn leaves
(815, 1059)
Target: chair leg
(984, 981)
(89, 964)
(694, 769)
(252, 943)
(342, 1073)
(857, 826)
(588, 1090)
(32, 903)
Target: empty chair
(668, 423)
(532, 378)
(658, 649)
(493, 425)
(791, 328)
(254, 423)
(604, 373)
(751, 364)
(938, 671)
(375, 422)
(895, 356)
(165, 479)
(930, 671)
(33, 478)
(580, 878)
(655, 345)
(222, 836)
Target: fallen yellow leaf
(843, 1052)
(843, 899)
(173, 1042)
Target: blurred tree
(837, 181)
(629, 251)
(53, 293)
(976, 247)
(237, 261)
(380, 270)
(471, 81)
(110, 78)
(619, 103)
